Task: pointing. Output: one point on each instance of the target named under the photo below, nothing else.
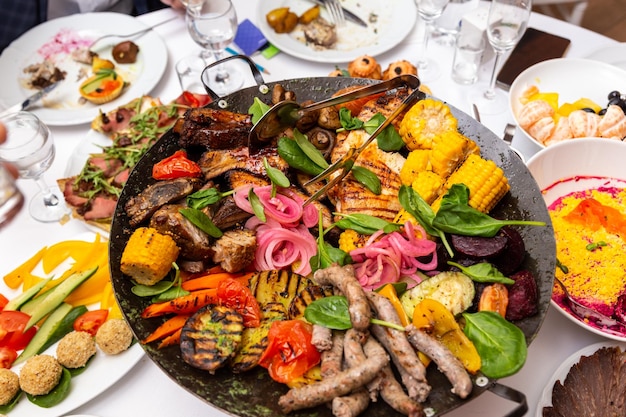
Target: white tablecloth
(146, 390)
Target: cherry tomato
(193, 99)
(90, 321)
(12, 325)
(289, 353)
(3, 301)
(7, 357)
(175, 166)
(232, 293)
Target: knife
(30, 100)
(347, 13)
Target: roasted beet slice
(479, 247)
(523, 296)
(513, 255)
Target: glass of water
(30, 148)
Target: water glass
(11, 198)
(448, 25)
(468, 53)
(189, 70)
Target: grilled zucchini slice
(254, 339)
(305, 297)
(211, 337)
(277, 286)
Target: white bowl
(572, 79)
(591, 161)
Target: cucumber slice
(66, 326)
(44, 333)
(24, 297)
(54, 297)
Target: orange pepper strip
(213, 280)
(16, 277)
(59, 252)
(173, 339)
(187, 304)
(389, 291)
(167, 328)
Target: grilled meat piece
(239, 177)
(214, 129)
(194, 244)
(344, 280)
(321, 33)
(336, 386)
(228, 214)
(215, 162)
(446, 362)
(234, 251)
(140, 207)
(210, 337)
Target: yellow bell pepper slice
(59, 252)
(551, 98)
(16, 277)
(432, 316)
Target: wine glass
(429, 11)
(30, 148)
(213, 26)
(506, 23)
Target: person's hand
(3, 137)
(174, 4)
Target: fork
(346, 163)
(336, 12)
(130, 35)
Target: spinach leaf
(326, 253)
(54, 397)
(202, 221)
(295, 157)
(389, 139)
(455, 215)
(309, 149)
(347, 121)
(276, 176)
(500, 344)
(364, 223)
(367, 178)
(483, 272)
(399, 287)
(202, 198)
(151, 290)
(257, 109)
(412, 202)
(333, 313)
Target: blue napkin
(249, 38)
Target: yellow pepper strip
(31, 280)
(115, 312)
(16, 277)
(96, 255)
(107, 296)
(389, 291)
(59, 252)
(434, 317)
(90, 291)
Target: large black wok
(254, 394)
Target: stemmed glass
(506, 23)
(30, 148)
(429, 11)
(213, 26)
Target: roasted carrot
(166, 329)
(172, 339)
(187, 304)
(213, 280)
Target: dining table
(146, 390)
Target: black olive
(602, 112)
(613, 94)
(588, 110)
(615, 100)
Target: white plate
(561, 372)
(61, 107)
(395, 20)
(102, 372)
(614, 55)
(93, 142)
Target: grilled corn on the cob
(148, 256)
(416, 161)
(424, 121)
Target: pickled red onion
(280, 247)
(391, 257)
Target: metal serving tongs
(346, 163)
(585, 312)
(287, 113)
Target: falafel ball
(75, 349)
(114, 336)
(40, 374)
(9, 385)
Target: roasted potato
(282, 20)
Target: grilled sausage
(354, 355)
(411, 369)
(331, 359)
(351, 405)
(343, 278)
(391, 391)
(447, 363)
(322, 338)
(341, 384)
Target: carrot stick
(172, 339)
(166, 329)
(213, 280)
(186, 304)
